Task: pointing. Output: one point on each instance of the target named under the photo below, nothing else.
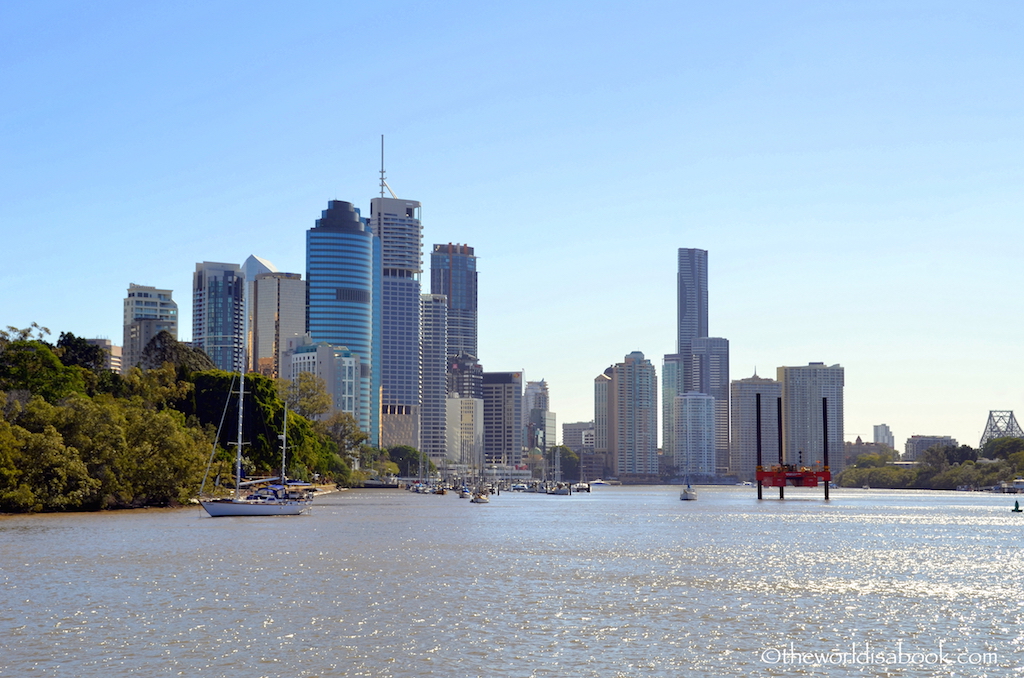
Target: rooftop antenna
(383, 178)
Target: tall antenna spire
(383, 183)
(383, 179)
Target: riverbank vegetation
(76, 436)
(940, 468)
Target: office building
(743, 442)
(397, 224)
(884, 436)
(148, 311)
(453, 274)
(465, 433)
(695, 453)
(340, 287)
(277, 312)
(540, 422)
(916, 445)
(433, 377)
(336, 365)
(709, 358)
(465, 376)
(217, 313)
(633, 419)
(803, 434)
(578, 436)
(503, 418)
(692, 297)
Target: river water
(625, 581)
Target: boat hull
(220, 509)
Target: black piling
(757, 401)
(824, 430)
(781, 488)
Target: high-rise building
(433, 377)
(503, 418)
(883, 435)
(397, 224)
(540, 421)
(916, 445)
(803, 435)
(340, 274)
(148, 311)
(694, 455)
(453, 274)
(692, 297)
(671, 386)
(112, 359)
(709, 358)
(633, 419)
(578, 436)
(465, 376)
(217, 313)
(743, 445)
(465, 433)
(602, 387)
(336, 365)
(277, 312)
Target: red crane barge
(780, 475)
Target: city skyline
(852, 170)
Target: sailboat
(688, 493)
(274, 500)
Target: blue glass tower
(453, 274)
(340, 254)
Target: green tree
(76, 351)
(31, 365)
(343, 429)
(1002, 448)
(409, 460)
(306, 395)
(164, 348)
(570, 461)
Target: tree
(164, 348)
(343, 429)
(409, 460)
(1002, 448)
(570, 461)
(30, 365)
(307, 395)
(76, 351)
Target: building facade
(148, 311)
(883, 435)
(340, 291)
(633, 419)
(743, 442)
(916, 445)
(503, 418)
(465, 433)
(337, 366)
(802, 432)
(453, 274)
(218, 322)
(709, 358)
(397, 225)
(434, 377)
(695, 452)
(277, 308)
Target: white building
(883, 435)
(695, 435)
(147, 312)
(803, 436)
(336, 365)
(465, 432)
(277, 312)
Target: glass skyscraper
(453, 274)
(340, 255)
(217, 313)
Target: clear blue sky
(853, 168)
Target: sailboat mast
(238, 445)
(284, 442)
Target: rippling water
(626, 581)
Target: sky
(854, 170)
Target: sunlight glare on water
(624, 581)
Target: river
(624, 581)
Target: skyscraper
(277, 312)
(397, 224)
(434, 377)
(340, 252)
(743, 445)
(692, 297)
(218, 320)
(883, 435)
(802, 431)
(709, 359)
(540, 421)
(147, 312)
(503, 418)
(694, 455)
(633, 418)
(453, 274)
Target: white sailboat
(688, 493)
(274, 500)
